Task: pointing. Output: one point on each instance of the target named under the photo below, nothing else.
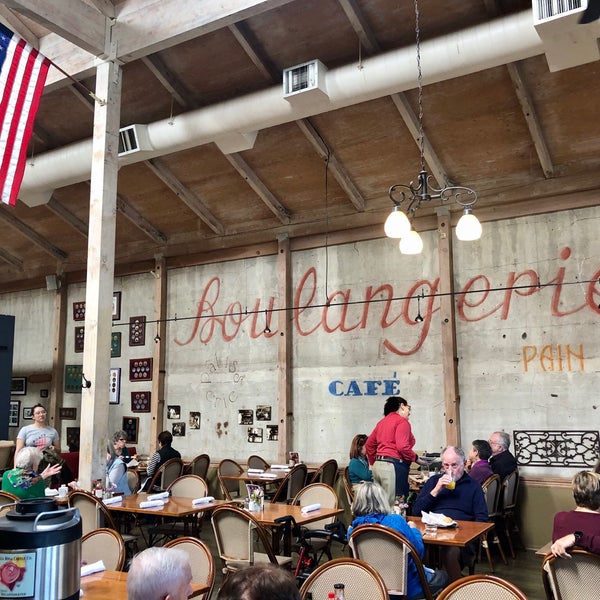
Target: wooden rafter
(370, 43)
(185, 194)
(11, 259)
(171, 83)
(140, 221)
(265, 66)
(32, 235)
(67, 216)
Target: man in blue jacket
(457, 496)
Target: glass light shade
(411, 243)
(468, 227)
(397, 224)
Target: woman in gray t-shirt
(38, 434)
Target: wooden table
(271, 512)
(274, 476)
(466, 532)
(177, 506)
(113, 585)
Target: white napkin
(133, 463)
(159, 496)
(256, 470)
(268, 475)
(439, 519)
(50, 492)
(273, 467)
(92, 568)
(113, 500)
(151, 503)
(310, 508)
(204, 500)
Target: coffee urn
(40, 551)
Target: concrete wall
(527, 357)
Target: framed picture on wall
(68, 413)
(14, 407)
(131, 427)
(18, 386)
(116, 306)
(73, 434)
(114, 391)
(28, 413)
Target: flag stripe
(23, 73)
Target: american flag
(23, 73)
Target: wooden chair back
(94, 514)
(189, 486)
(326, 473)
(106, 545)
(348, 486)
(492, 487)
(388, 551)
(510, 490)
(230, 488)
(201, 560)
(293, 482)
(474, 587)
(577, 577)
(166, 474)
(317, 493)
(258, 462)
(360, 579)
(199, 465)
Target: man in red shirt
(390, 448)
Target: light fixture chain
(420, 86)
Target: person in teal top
(358, 467)
(24, 481)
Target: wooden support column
(284, 349)
(158, 364)
(448, 327)
(58, 363)
(100, 275)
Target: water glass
(430, 530)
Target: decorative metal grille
(557, 448)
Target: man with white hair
(501, 461)
(159, 573)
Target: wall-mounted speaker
(52, 282)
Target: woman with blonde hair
(579, 527)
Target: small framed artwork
(116, 306)
(131, 427)
(272, 433)
(68, 413)
(79, 338)
(263, 412)
(115, 344)
(28, 413)
(79, 311)
(73, 375)
(173, 411)
(140, 401)
(245, 417)
(44, 393)
(137, 331)
(140, 369)
(114, 386)
(14, 408)
(178, 429)
(194, 420)
(18, 386)
(73, 434)
(255, 435)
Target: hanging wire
(420, 86)
(327, 226)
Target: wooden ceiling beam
(32, 235)
(252, 179)
(337, 169)
(531, 118)
(73, 20)
(84, 98)
(105, 7)
(11, 259)
(168, 80)
(185, 194)
(257, 55)
(140, 221)
(67, 216)
(369, 41)
(14, 23)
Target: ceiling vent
(305, 81)
(567, 43)
(133, 139)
